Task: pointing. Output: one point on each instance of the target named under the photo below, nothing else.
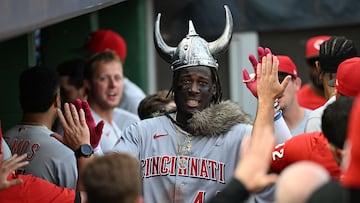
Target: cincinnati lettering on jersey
(183, 166)
(23, 146)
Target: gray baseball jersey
(112, 132)
(124, 118)
(5, 149)
(131, 97)
(195, 173)
(300, 128)
(49, 159)
(313, 123)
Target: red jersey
(307, 146)
(37, 190)
(308, 99)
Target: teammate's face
(314, 77)
(325, 77)
(69, 93)
(106, 87)
(289, 98)
(194, 89)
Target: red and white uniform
(308, 99)
(308, 146)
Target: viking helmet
(193, 50)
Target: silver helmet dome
(193, 50)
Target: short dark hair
(112, 178)
(38, 89)
(334, 122)
(74, 69)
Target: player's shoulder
(304, 141)
(131, 89)
(242, 128)
(125, 113)
(156, 123)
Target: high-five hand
(250, 79)
(95, 129)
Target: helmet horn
(221, 44)
(165, 51)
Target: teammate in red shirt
(311, 95)
(323, 147)
(308, 146)
(33, 189)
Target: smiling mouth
(192, 103)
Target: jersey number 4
(199, 197)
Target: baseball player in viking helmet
(190, 155)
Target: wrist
(277, 115)
(266, 104)
(85, 150)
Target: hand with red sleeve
(95, 129)
(250, 79)
(9, 166)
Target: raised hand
(95, 129)
(9, 166)
(76, 131)
(268, 85)
(250, 79)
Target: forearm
(234, 192)
(282, 132)
(81, 164)
(265, 116)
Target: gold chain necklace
(186, 142)
(182, 162)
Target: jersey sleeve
(45, 191)
(129, 141)
(313, 124)
(286, 153)
(66, 171)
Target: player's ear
(57, 100)
(298, 82)
(86, 85)
(317, 66)
(213, 89)
(82, 92)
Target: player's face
(325, 78)
(106, 87)
(69, 93)
(289, 98)
(194, 89)
(314, 77)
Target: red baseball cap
(286, 65)
(102, 40)
(347, 80)
(352, 172)
(313, 45)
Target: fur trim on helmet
(217, 119)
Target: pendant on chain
(182, 162)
